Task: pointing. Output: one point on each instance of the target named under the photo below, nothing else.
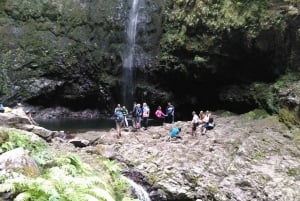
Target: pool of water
(82, 125)
(77, 125)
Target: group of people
(140, 116)
(204, 120)
(169, 115)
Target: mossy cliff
(213, 54)
(66, 52)
(228, 53)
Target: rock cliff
(214, 54)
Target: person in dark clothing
(170, 112)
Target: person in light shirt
(195, 123)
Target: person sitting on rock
(208, 123)
(175, 133)
(201, 117)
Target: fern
(22, 139)
(67, 179)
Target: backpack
(139, 112)
(119, 117)
(134, 112)
(211, 123)
(170, 110)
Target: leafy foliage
(63, 177)
(198, 26)
(21, 139)
(69, 179)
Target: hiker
(201, 117)
(146, 114)
(137, 115)
(170, 111)
(134, 115)
(118, 115)
(118, 107)
(160, 115)
(195, 123)
(1, 108)
(210, 124)
(125, 113)
(175, 133)
(31, 120)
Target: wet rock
(79, 142)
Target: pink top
(159, 113)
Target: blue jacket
(174, 132)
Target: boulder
(18, 160)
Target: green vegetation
(21, 139)
(198, 26)
(289, 117)
(62, 177)
(260, 154)
(256, 114)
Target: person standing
(118, 115)
(146, 114)
(160, 115)
(195, 123)
(125, 113)
(1, 108)
(134, 115)
(139, 113)
(170, 111)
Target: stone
(19, 160)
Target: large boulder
(18, 160)
(17, 118)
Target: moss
(3, 136)
(260, 154)
(265, 97)
(256, 114)
(289, 117)
(152, 179)
(185, 21)
(293, 172)
(296, 139)
(2, 6)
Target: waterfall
(128, 84)
(140, 192)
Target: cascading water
(140, 192)
(128, 83)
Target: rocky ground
(241, 159)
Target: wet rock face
(69, 53)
